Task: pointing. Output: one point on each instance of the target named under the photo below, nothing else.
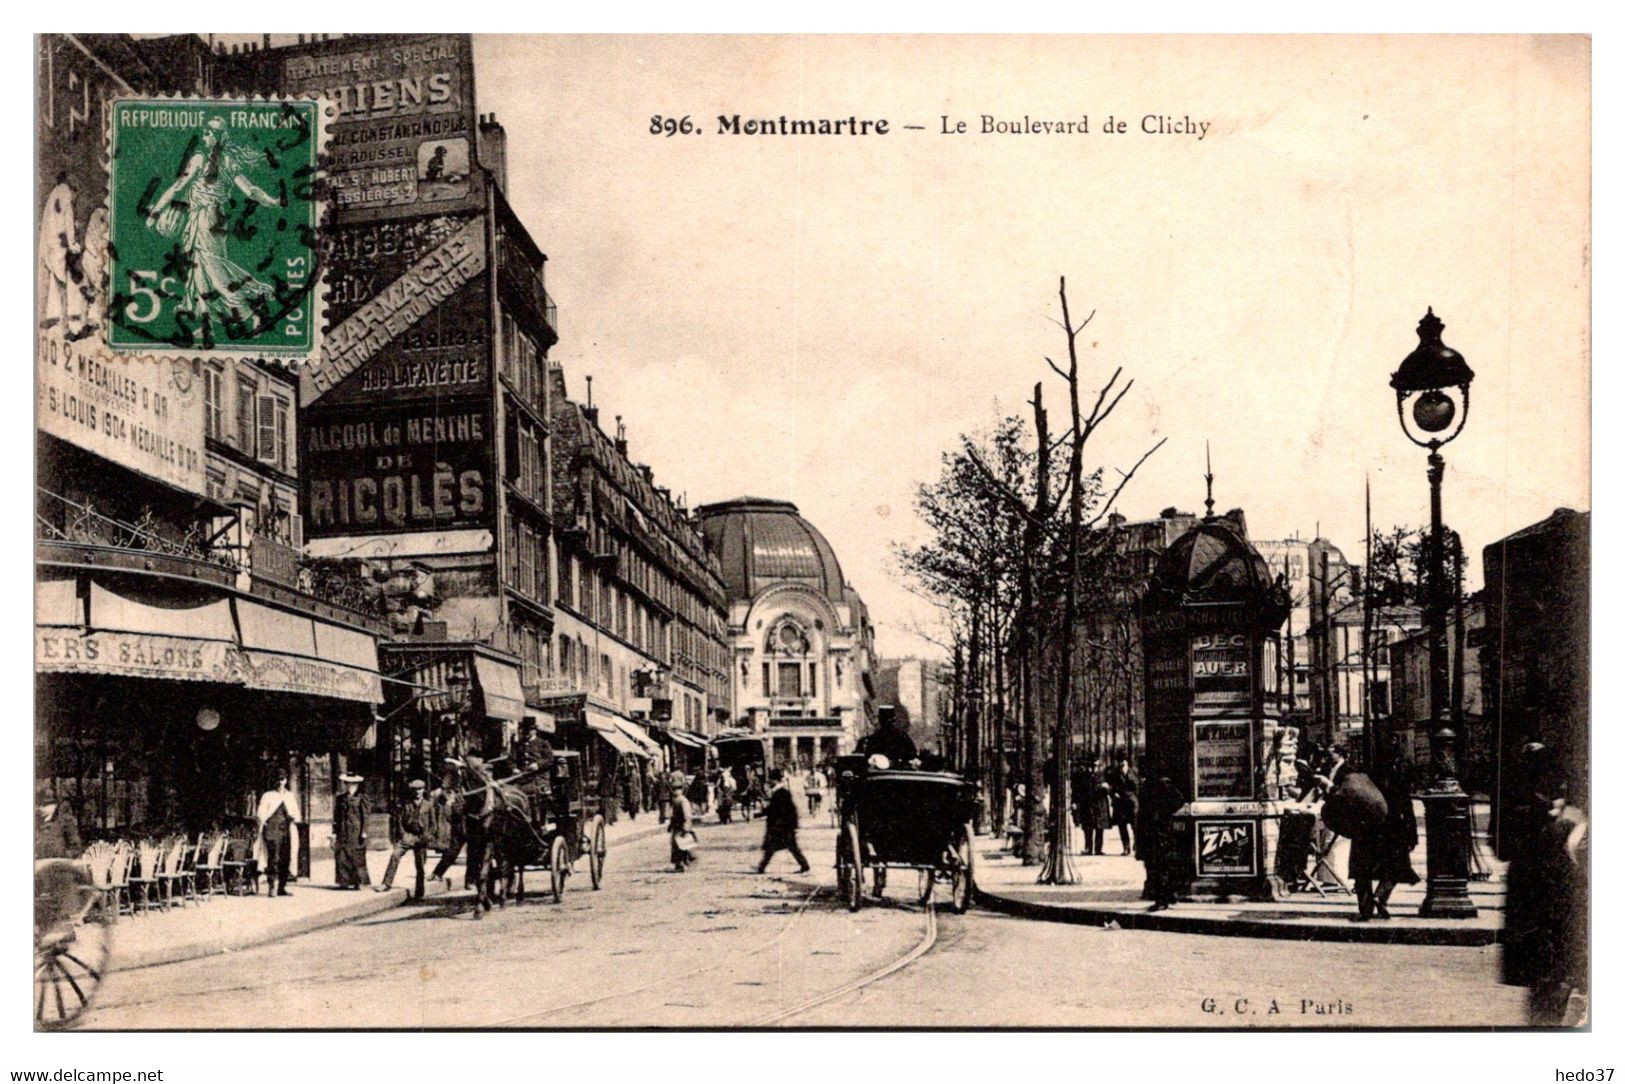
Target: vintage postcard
(780, 532)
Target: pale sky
(816, 318)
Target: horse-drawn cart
(903, 819)
(525, 822)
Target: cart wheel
(964, 872)
(928, 882)
(597, 848)
(68, 967)
(852, 885)
(880, 882)
(558, 864)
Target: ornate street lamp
(1433, 382)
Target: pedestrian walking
(1125, 804)
(815, 791)
(350, 834)
(725, 798)
(447, 806)
(782, 822)
(1357, 809)
(1159, 842)
(411, 836)
(681, 826)
(277, 814)
(663, 795)
(1546, 936)
(696, 794)
(634, 787)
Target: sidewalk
(233, 923)
(1110, 886)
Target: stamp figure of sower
(192, 210)
(214, 226)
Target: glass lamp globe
(1434, 411)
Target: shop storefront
(168, 704)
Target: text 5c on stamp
(214, 215)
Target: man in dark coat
(1546, 936)
(1159, 842)
(56, 830)
(890, 740)
(1125, 787)
(350, 834)
(412, 834)
(782, 821)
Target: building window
(767, 678)
(789, 679)
(282, 411)
(214, 394)
(245, 415)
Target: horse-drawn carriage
(894, 818)
(72, 939)
(530, 821)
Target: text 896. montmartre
(784, 126)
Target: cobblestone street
(721, 947)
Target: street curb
(1164, 922)
(367, 904)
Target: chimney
(620, 435)
(648, 472)
(492, 146)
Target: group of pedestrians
(1103, 796)
(782, 823)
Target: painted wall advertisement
(403, 141)
(411, 315)
(414, 320)
(407, 467)
(141, 413)
(1226, 848)
(1224, 759)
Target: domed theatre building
(803, 646)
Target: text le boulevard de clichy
(739, 124)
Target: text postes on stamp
(215, 207)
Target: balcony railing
(98, 538)
(77, 533)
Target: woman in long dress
(350, 835)
(193, 210)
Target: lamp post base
(1449, 832)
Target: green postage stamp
(215, 207)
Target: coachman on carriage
(536, 818)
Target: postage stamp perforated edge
(315, 295)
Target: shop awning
(116, 613)
(612, 731)
(684, 737)
(134, 637)
(57, 605)
(288, 652)
(640, 736)
(621, 743)
(544, 721)
(499, 684)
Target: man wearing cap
(411, 834)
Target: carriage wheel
(69, 969)
(597, 849)
(558, 863)
(880, 882)
(852, 870)
(964, 872)
(928, 882)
